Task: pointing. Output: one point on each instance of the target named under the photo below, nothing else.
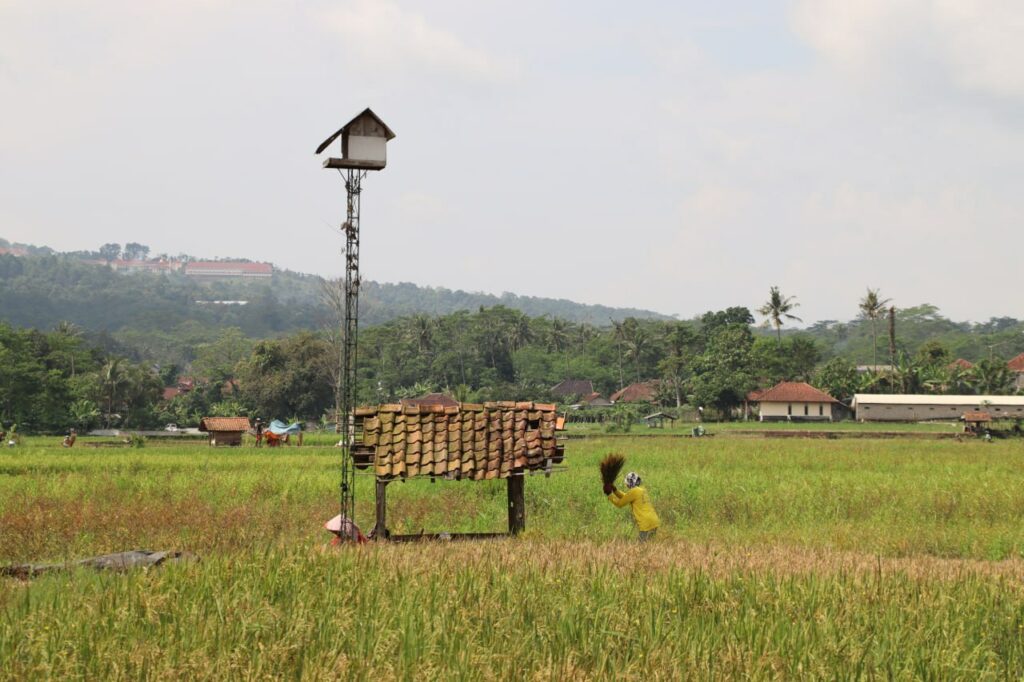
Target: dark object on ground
(611, 465)
(121, 561)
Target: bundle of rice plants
(611, 465)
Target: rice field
(778, 559)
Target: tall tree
(619, 334)
(135, 251)
(777, 309)
(109, 252)
(678, 340)
(111, 376)
(872, 306)
(892, 335)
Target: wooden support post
(380, 528)
(516, 503)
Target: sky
(674, 156)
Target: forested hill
(43, 288)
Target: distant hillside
(385, 302)
(40, 287)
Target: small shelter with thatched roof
(657, 420)
(224, 430)
(976, 421)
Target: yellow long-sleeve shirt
(640, 502)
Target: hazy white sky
(678, 156)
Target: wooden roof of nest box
(363, 143)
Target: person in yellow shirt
(640, 503)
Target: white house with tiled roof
(793, 401)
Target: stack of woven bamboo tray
(467, 441)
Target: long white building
(873, 407)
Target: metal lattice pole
(353, 186)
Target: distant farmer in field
(640, 503)
(259, 432)
(69, 440)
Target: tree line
(51, 380)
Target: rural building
(203, 269)
(976, 422)
(875, 369)
(224, 430)
(657, 420)
(960, 363)
(594, 400)
(1016, 366)
(430, 399)
(869, 407)
(156, 265)
(572, 388)
(793, 401)
(642, 392)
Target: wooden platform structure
(976, 421)
(464, 442)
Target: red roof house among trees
(793, 401)
(641, 392)
(1016, 366)
(228, 269)
(572, 387)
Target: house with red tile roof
(572, 388)
(228, 270)
(641, 392)
(793, 401)
(1016, 366)
(960, 363)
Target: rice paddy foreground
(779, 559)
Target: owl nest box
(364, 142)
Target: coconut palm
(636, 347)
(111, 377)
(777, 309)
(619, 335)
(872, 307)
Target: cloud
(971, 45)
(384, 36)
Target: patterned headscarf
(632, 479)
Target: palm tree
(112, 376)
(559, 337)
(636, 346)
(871, 308)
(777, 308)
(520, 334)
(72, 334)
(619, 334)
(420, 332)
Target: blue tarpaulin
(281, 429)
